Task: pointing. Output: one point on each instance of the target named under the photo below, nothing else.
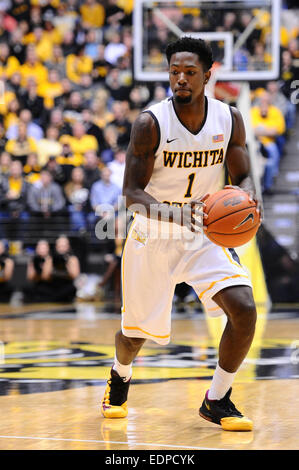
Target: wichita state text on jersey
(196, 159)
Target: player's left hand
(252, 198)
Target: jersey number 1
(190, 184)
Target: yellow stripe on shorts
(221, 280)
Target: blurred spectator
(56, 170)
(68, 43)
(92, 44)
(92, 129)
(3, 138)
(117, 167)
(260, 60)
(268, 124)
(32, 129)
(122, 123)
(62, 100)
(32, 169)
(38, 288)
(78, 64)
(30, 99)
(68, 160)
(49, 146)
(8, 64)
(80, 142)
(279, 100)
(5, 162)
(159, 95)
(104, 192)
(57, 61)
(14, 84)
(6, 273)
(11, 112)
(20, 10)
(114, 14)
(115, 48)
(21, 146)
(73, 107)
(65, 17)
(56, 120)
(100, 65)
(91, 168)
(13, 195)
(45, 198)
(110, 136)
(51, 89)
(33, 67)
(289, 73)
(92, 13)
(138, 97)
(63, 269)
(17, 48)
(101, 113)
(114, 83)
(78, 199)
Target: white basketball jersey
(188, 166)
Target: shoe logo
(249, 217)
(208, 406)
(168, 141)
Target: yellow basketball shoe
(224, 413)
(114, 403)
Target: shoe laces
(229, 406)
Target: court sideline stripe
(108, 442)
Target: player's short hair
(196, 46)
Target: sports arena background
(68, 100)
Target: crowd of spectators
(70, 99)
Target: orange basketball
(232, 219)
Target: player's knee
(243, 313)
(131, 343)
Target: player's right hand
(193, 214)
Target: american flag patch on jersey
(218, 138)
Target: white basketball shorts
(151, 268)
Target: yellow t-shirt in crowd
(7, 97)
(76, 66)
(15, 184)
(274, 119)
(38, 71)
(49, 91)
(17, 148)
(94, 15)
(80, 146)
(12, 65)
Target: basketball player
(175, 158)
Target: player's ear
(207, 76)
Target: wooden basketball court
(57, 358)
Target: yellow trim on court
(220, 280)
(123, 264)
(230, 259)
(136, 328)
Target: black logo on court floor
(36, 367)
